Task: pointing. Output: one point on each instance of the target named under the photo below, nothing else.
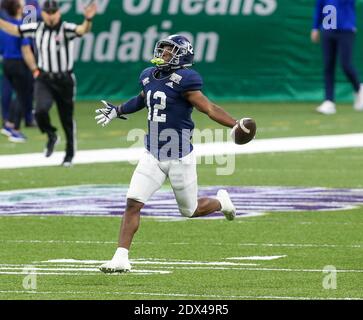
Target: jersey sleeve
(26, 42)
(192, 82)
(70, 30)
(28, 30)
(2, 43)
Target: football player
(170, 90)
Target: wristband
(119, 111)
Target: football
(244, 131)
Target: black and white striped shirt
(54, 46)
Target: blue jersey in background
(345, 9)
(11, 45)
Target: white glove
(107, 114)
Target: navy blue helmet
(180, 49)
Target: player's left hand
(91, 10)
(107, 114)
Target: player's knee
(133, 205)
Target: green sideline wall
(247, 50)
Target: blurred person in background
(337, 41)
(53, 70)
(6, 88)
(16, 71)
(29, 112)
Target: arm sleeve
(193, 82)
(1, 43)
(133, 105)
(70, 30)
(318, 14)
(28, 30)
(26, 42)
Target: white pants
(151, 173)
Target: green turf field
(273, 120)
(189, 259)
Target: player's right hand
(36, 73)
(107, 114)
(315, 36)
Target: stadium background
(251, 50)
(263, 56)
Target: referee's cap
(50, 6)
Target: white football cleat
(327, 107)
(358, 99)
(227, 206)
(114, 266)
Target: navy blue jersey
(170, 125)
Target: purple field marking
(110, 200)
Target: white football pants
(151, 173)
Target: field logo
(109, 200)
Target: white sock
(221, 202)
(121, 253)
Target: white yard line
(261, 269)
(302, 245)
(264, 258)
(161, 262)
(160, 294)
(208, 149)
(78, 271)
(58, 241)
(36, 269)
(73, 267)
(48, 273)
(77, 266)
(75, 273)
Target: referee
(53, 70)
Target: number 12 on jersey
(154, 114)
